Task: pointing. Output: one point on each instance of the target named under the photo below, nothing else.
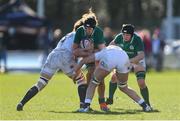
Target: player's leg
(101, 88)
(82, 87)
(90, 71)
(47, 71)
(41, 83)
(98, 77)
(112, 88)
(140, 75)
(67, 67)
(101, 99)
(122, 85)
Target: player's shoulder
(137, 37)
(80, 29)
(119, 36)
(98, 29)
(70, 35)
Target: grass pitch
(59, 99)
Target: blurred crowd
(154, 48)
(20, 29)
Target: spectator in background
(45, 39)
(56, 37)
(3, 53)
(157, 50)
(108, 35)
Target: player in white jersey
(60, 58)
(112, 57)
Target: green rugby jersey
(131, 47)
(97, 36)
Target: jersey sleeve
(140, 45)
(116, 39)
(77, 37)
(99, 37)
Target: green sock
(112, 89)
(101, 100)
(145, 94)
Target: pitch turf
(59, 99)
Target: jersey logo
(131, 47)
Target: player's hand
(77, 68)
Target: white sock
(140, 101)
(88, 100)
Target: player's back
(112, 57)
(66, 42)
(114, 53)
(113, 49)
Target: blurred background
(30, 29)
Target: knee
(102, 83)
(42, 82)
(113, 78)
(141, 75)
(123, 89)
(95, 81)
(122, 86)
(79, 79)
(139, 68)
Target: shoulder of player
(137, 37)
(98, 29)
(119, 36)
(71, 35)
(80, 29)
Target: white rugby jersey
(66, 42)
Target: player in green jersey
(133, 45)
(90, 32)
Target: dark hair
(128, 29)
(90, 22)
(90, 19)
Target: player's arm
(137, 58)
(112, 43)
(140, 52)
(101, 41)
(85, 60)
(80, 52)
(77, 51)
(100, 47)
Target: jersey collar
(85, 31)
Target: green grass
(59, 99)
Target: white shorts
(113, 59)
(56, 60)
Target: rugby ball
(85, 43)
